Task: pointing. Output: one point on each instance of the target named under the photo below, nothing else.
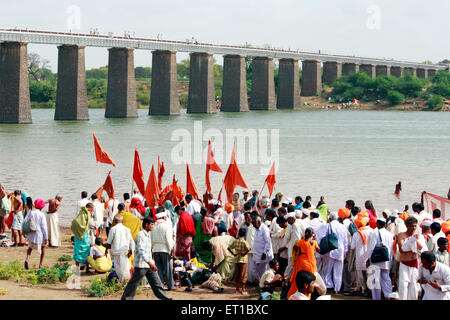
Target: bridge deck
(61, 38)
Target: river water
(341, 155)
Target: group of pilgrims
(283, 245)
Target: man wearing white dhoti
(52, 217)
(121, 244)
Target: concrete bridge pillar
(164, 98)
(311, 78)
(234, 89)
(288, 85)
(349, 67)
(332, 70)
(397, 71)
(14, 89)
(71, 95)
(411, 70)
(201, 84)
(431, 73)
(370, 69)
(383, 70)
(422, 73)
(121, 96)
(263, 85)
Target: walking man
(144, 265)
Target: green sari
(204, 256)
(323, 210)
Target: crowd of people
(303, 249)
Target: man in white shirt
(245, 196)
(82, 203)
(359, 243)
(437, 216)
(333, 261)
(193, 207)
(262, 248)
(434, 278)
(109, 213)
(296, 233)
(121, 244)
(436, 232)
(99, 211)
(144, 265)
(162, 245)
(305, 285)
(380, 236)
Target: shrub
(65, 258)
(441, 89)
(184, 99)
(2, 292)
(395, 97)
(12, 271)
(102, 287)
(435, 102)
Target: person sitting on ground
(305, 284)
(271, 279)
(97, 258)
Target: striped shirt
(143, 250)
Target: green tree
(395, 97)
(183, 69)
(99, 73)
(143, 72)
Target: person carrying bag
(330, 242)
(380, 253)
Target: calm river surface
(341, 155)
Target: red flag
(152, 190)
(210, 165)
(233, 177)
(108, 186)
(161, 170)
(138, 174)
(176, 195)
(100, 154)
(219, 197)
(271, 179)
(190, 184)
(99, 193)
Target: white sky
(410, 30)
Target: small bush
(65, 258)
(102, 287)
(2, 292)
(395, 97)
(435, 102)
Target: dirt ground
(60, 291)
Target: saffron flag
(233, 177)
(176, 194)
(432, 201)
(152, 190)
(211, 165)
(271, 179)
(108, 187)
(138, 174)
(161, 170)
(100, 154)
(190, 184)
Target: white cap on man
(290, 215)
(161, 215)
(306, 212)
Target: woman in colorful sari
(185, 232)
(129, 220)
(97, 258)
(204, 230)
(80, 228)
(303, 258)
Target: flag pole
(259, 195)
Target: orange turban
(373, 223)
(445, 226)
(403, 216)
(360, 222)
(364, 214)
(228, 207)
(344, 213)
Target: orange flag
(176, 195)
(271, 179)
(190, 184)
(210, 165)
(138, 174)
(233, 177)
(152, 191)
(108, 187)
(100, 154)
(161, 170)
